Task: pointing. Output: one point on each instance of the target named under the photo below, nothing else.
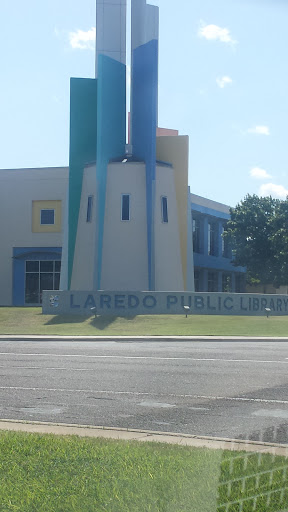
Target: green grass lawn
(31, 321)
(45, 473)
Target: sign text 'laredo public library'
(161, 303)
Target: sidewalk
(143, 436)
(41, 337)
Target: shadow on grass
(101, 322)
(66, 319)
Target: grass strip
(31, 321)
(45, 473)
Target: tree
(258, 234)
(279, 238)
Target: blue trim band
(209, 211)
(216, 262)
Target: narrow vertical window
(197, 280)
(212, 239)
(226, 248)
(164, 209)
(196, 234)
(89, 209)
(125, 207)
(226, 282)
(212, 282)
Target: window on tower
(164, 209)
(125, 207)
(89, 209)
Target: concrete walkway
(143, 436)
(41, 337)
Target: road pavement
(230, 389)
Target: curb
(41, 337)
(143, 436)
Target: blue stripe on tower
(111, 136)
(144, 123)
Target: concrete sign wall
(161, 303)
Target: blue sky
(223, 80)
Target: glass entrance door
(39, 276)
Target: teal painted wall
(83, 150)
(111, 137)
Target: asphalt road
(225, 389)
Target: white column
(111, 30)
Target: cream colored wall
(64, 259)
(268, 288)
(282, 289)
(18, 188)
(261, 288)
(124, 261)
(190, 283)
(125, 255)
(168, 261)
(175, 150)
(84, 256)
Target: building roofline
(36, 168)
(209, 203)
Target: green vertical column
(83, 150)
